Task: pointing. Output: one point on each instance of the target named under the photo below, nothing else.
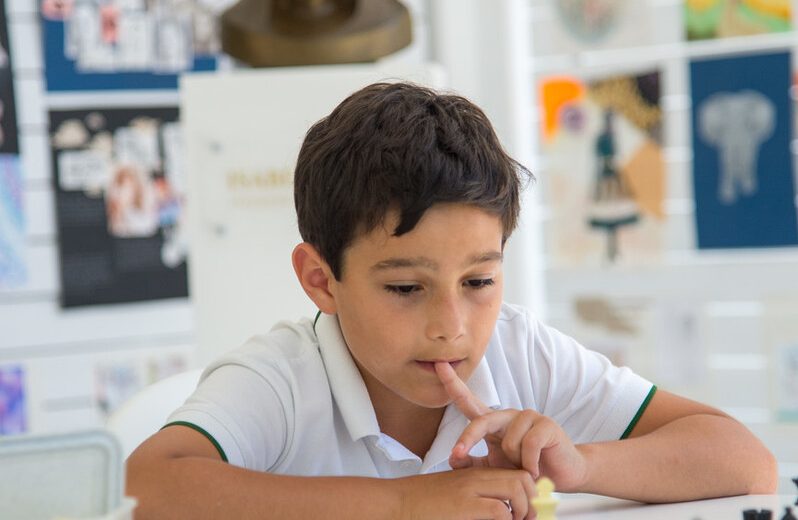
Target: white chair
(146, 412)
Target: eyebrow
(422, 261)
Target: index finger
(461, 395)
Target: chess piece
(274, 33)
(788, 514)
(545, 504)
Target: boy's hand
(474, 493)
(516, 438)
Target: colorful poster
(578, 25)
(12, 226)
(706, 19)
(742, 165)
(605, 174)
(8, 115)
(119, 199)
(13, 413)
(119, 380)
(126, 44)
(13, 270)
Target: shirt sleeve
(242, 412)
(589, 397)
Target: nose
(445, 319)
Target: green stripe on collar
(316, 320)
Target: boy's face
(432, 294)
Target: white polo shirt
(293, 402)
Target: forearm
(695, 457)
(199, 488)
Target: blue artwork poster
(126, 44)
(13, 416)
(742, 164)
(13, 271)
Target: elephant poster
(706, 19)
(742, 164)
(605, 169)
(124, 45)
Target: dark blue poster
(742, 164)
(119, 204)
(128, 44)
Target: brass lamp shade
(273, 33)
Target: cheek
(486, 309)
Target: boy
(414, 366)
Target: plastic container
(73, 475)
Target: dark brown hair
(398, 146)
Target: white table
(592, 507)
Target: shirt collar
(346, 383)
(353, 400)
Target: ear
(314, 275)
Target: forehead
(447, 234)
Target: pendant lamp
(274, 33)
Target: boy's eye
(402, 290)
(479, 283)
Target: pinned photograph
(118, 380)
(120, 204)
(113, 45)
(605, 172)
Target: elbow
(767, 481)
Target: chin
(437, 400)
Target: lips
(430, 365)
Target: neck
(415, 427)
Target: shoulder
(514, 324)
(288, 345)
(535, 351)
(518, 327)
